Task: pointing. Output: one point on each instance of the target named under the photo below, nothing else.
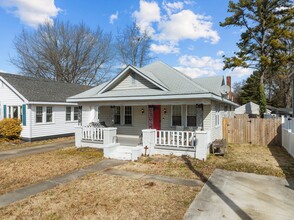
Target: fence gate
(258, 131)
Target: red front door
(156, 117)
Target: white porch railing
(92, 133)
(176, 138)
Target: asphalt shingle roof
(174, 81)
(43, 90)
(212, 84)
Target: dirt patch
(17, 144)
(274, 161)
(22, 171)
(100, 196)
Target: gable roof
(170, 83)
(212, 83)
(42, 90)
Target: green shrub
(10, 128)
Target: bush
(10, 128)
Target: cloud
(220, 53)
(164, 48)
(148, 13)
(241, 72)
(32, 12)
(113, 17)
(195, 66)
(172, 7)
(188, 25)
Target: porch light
(164, 110)
(142, 110)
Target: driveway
(236, 195)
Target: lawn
(17, 144)
(22, 171)
(102, 196)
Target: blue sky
(186, 34)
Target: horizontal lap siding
(58, 127)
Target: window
(128, 115)
(39, 114)
(76, 113)
(48, 114)
(217, 116)
(68, 114)
(9, 111)
(176, 115)
(191, 115)
(14, 112)
(117, 115)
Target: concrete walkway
(167, 179)
(236, 195)
(4, 155)
(33, 189)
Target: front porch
(130, 147)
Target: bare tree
(133, 46)
(64, 52)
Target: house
(250, 110)
(157, 97)
(40, 104)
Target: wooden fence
(253, 131)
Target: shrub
(10, 128)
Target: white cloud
(241, 72)
(220, 53)
(172, 7)
(195, 66)
(113, 17)
(32, 12)
(187, 25)
(148, 13)
(164, 48)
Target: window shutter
(24, 116)
(4, 111)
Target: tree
(133, 46)
(64, 52)
(265, 23)
(250, 89)
(237, 89)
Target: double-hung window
(68, 114)
(128, 115)
(76, 113)
(191, 116)
(49, 114)
(217, 115)
(176, 115)
(39, 114)
(117, 115)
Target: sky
(186, 33)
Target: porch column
(109, 135)
(78, 136)
(202, 144)
(149, 136)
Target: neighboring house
(40, 104)
(278, 112)
(156, 96)
(249, 109)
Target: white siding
(58, 127)
(133, 80)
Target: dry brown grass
(17, 144)
(22, 171)
(273, 161)
(99, 196)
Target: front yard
(103, 196)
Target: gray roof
(43, 90)
(213, 83)
(175, 82)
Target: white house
(160, 98)
(40, 104)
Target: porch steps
(123, 152)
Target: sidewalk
(4, 155)
(33, 189)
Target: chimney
(229, 83)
